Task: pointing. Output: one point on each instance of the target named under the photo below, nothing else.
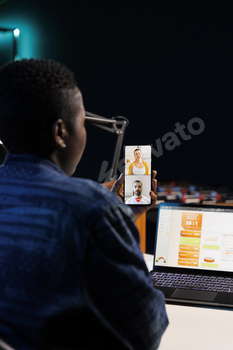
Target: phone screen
(137, 175)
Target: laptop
(193, 256)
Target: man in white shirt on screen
(137, 197)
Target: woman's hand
(139, 210)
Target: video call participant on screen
(137, 197)
(72, 274)
(139, 166)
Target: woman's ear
(59, 133)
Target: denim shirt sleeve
(125, 299)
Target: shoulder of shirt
(52, 176)
(146, 199)
(82, 194)
(77, 185)
(130, 200)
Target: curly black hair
(33, 94)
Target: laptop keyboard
(198, 282)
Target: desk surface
(196, 328)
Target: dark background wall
(157, 63)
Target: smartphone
(138, 163)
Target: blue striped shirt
(71, 269)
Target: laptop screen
(194, 237)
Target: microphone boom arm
(115, 125)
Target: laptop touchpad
(194, 294)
